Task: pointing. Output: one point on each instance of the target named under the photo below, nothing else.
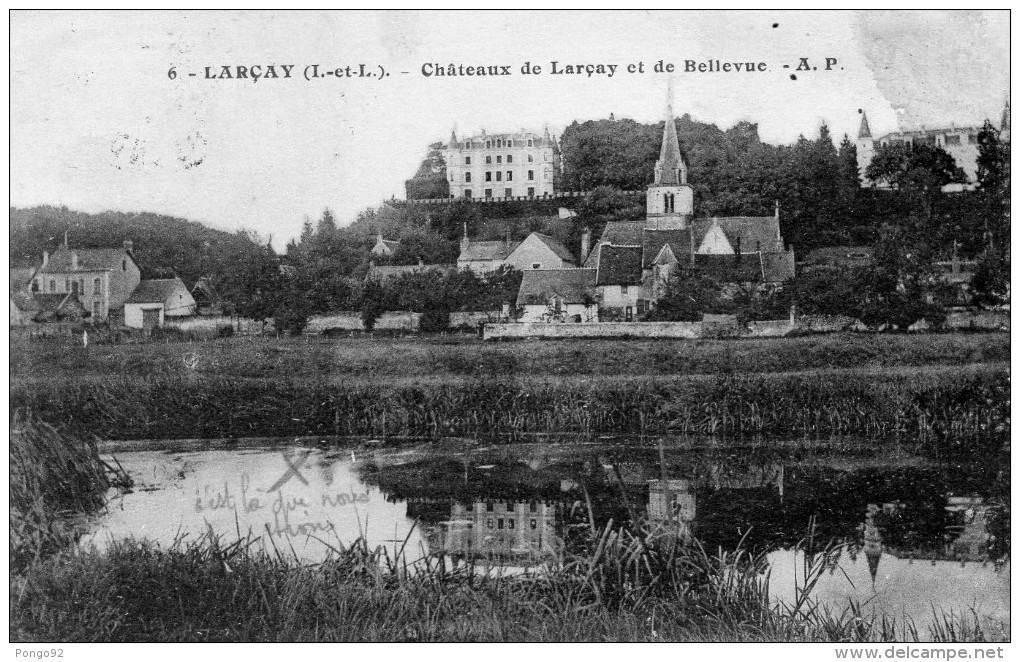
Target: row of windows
(972, 139)
(499, 176)
(509, 524)
(490, 506)
(507, 192)
(500, 142)
(499, 159)
(73, 286)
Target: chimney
(45, 258)
(129, 245)
(74, 260)
(736, 249)
(585, 244)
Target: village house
(102, 279)
(384, 247)
(154, 301)
(536, 251)
(558, 295)
(634, 260)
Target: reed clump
(643, 584)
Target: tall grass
(941, 411)
(53, 479)
(640, 584)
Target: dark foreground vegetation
(641, 583)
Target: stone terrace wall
(692, 330)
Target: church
(633, 260)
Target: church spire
(453, 138)
(865, 131)
(1004, 122)
(670, 164)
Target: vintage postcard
(521, 326)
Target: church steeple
(865, 130)
(1004, 122)
(453, 139)
(670, 169)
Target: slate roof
(556, 246)
(384, 273)
(157, 290)
(728, 269)
(619, 265)
(538, 286)
(391, 244)
(753, 231)
(89, 259)
(487, 250)
(620, 233)
(679, 242)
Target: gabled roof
(157, 290)
(49, 303)
(619, 265)
(538, 286)
(619, 233)
(753, 231)
(487, 250)
(555, 246)
(89, 259)
(679, 242)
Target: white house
(153, 301)
(536, 251)
(558, 295)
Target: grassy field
(377, 359)
(945, 392)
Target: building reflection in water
(508, 530)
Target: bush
(435, 320)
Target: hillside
(163, 245)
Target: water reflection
(904, 525)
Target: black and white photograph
(516, 326)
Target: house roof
(727, 269)
(89, 259)
(619, 233)
(619, 265)
(679, 241)
(755, 232)
(538, 286)
(487, 250)
(387, 272)
(391, 244)
(556, 246)
(157, 290)
(49, 303)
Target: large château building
(502, 165)
(960, 142)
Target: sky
(97, 122)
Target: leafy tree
(687, 297)
(990, 285)
(992, 160)
(372, 306)
(430, 181)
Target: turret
(865, 145)
(453, 140)
(1004, 122)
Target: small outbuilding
(153, 301)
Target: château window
(530, 142)
(499, 176)
(531, 159)
(972, 139)
(511, 524)
(488, 193)
(509, 158)
(488, 506)
(499, 159)
(952, 140)
(53, 285)
(531, 175)
(623, 289)
(467, 176)
(97, 286)
(467, 193)
(499, 523)
(467, 160)
(488, 144)
(488, 159)
(509, 175)
(534, 524)
(488, 176)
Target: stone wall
(350, 320)
(692, 330)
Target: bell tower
(670, 201)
